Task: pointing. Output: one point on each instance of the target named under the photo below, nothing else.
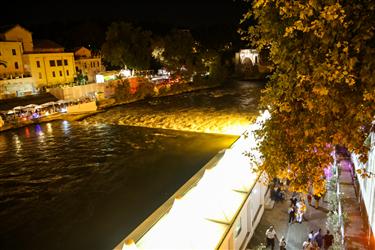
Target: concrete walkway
(295, 234)
(355, 232)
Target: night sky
(179, 12)
(60, 21)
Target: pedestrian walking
(328, 240)
(309, 199)
(311, 236)
(270, 237)
(282, 243)
(316, 198)
(293, 201)
(301, 209)
(318, 238)
(292, 214)
(306, 244)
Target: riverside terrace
(23, 115)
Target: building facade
(19, 34)
(367, 188)
(86, 63)
(11, 65)
(49, 69)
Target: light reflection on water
(225, 110)
(86, 185)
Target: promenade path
(295, 234)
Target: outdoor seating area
(32, 112)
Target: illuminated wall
(367, 185)
(11, 59)
(87, 64)
(50, 68)
(20, 34)
(218, 208)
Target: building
(11, 64)
(218, 208)
(367, 188)
(87, 63)
(45, 61)
(49, 65)
(14, 81)
(19, 34)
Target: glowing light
(49, 127)
(126, 72)
(236, 129)
(201, 217)
(27, 132)
(130, 245)
(99, 78)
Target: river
(86, 185)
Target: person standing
(270, 237)
(319, 238)
(309, 199)
(316, 198)
(293, 201)
(328, 240)
(282, 243)
(311, 236)
(292, 214)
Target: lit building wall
(20, 34)
(22, 86)
(218, 208)
(87, 64)
(367, 186)
(49, 69)
(10, 59)
(89, 67)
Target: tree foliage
(180, 53)
(322, 91)
(127, 46)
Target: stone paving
(295, 234)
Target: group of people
(296, 210)
(271, 236)
(316, 240)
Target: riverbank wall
(119, 92)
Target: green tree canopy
(322, 91)
(127, 46)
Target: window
(84, 65)
(52, 63)
(14, 52)
(16, 65)
(38, 64)
(77, 69)
(97, 64)
(60, 73)
(59, 62)
(67, 72)
(53, 74)
(40, 75)
(65, 62)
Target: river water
(86, 185)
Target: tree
(81, 78)
(127, 46)
(179, 53)
(322, 91)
